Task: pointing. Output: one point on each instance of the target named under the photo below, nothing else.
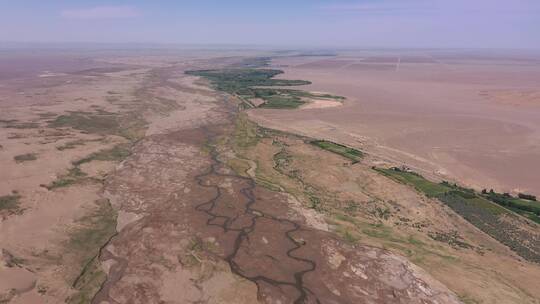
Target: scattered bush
(529, 197)
(25, 157)
(350, 153)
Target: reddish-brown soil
(190, 228)
(253, 229)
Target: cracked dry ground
(190, 230)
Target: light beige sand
(440, 113)
(150, 183)
(37, 233)
(321, 104)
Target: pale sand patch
(229, 288)
(513, 97)
(313, 218)
(48, 214)
(193, 82)
(37, 233)
(192, 109)
(178, 288)
(257, 101)
(320, 104)
(429, 110)
(98, 168)
(126, 218)
(32, 297)
(50, 74)
(225, 287)
(15, 279)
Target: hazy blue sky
(365, 23)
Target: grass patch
(421, 184)
(129, 125)
(47, 115)
(451, 238)
(9, 202)
(88, 284)
(380, 231)
(350, 153)
(71, 145)
(25, 157)
(270, 185)
(245, 134)
(530, 215)
(74, 176)
(104, 124)
(345, 218)
(132, 126)
(315, 202)
(15, 124)
(347, 233)
(278, 99)
(468, 300)
(94, 230)
(239, 166)
(116, 153)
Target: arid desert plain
(470, 116)
(252, 176)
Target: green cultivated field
(421, 184)
(526, 208)
(481, 210)
(253, 83)
(350, 153)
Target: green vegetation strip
(116, 153)
(88, 122)
(477, 209)
(76, 175)
(73, 176)
(71, 145)
(248, 83)
(529, 208)
(350, 153)
(14, 124)
(95, 230)
(128, 125)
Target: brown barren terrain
(469, 116)
(128, 181)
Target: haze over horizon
(263, 152)
(346, 23)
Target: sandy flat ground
(443, 114)
(467, 116)
(38, 262)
